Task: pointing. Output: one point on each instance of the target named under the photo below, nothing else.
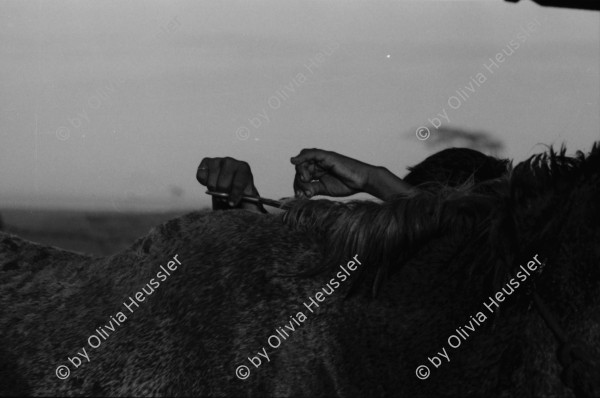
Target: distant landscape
(95, 233)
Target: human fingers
(242, 184)
(208, 172)
(234, 176)
(310, 189)
(308, 171)
(313, 155)
(214, 168)
(303, 171)
(202, 172)
(298, 192)
(225, 175)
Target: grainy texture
(229, 295)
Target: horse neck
(17, 253)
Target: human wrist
(374, 179)
(385, 185)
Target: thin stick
(252, 199)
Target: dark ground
(96, 233)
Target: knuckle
(299, 184)
(214, 163)
(300, 167)
(239, 183)
(238, 187)
(222, 186)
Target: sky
(111, 105)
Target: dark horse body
(233, 290)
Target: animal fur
(432, 259)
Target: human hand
(230, 176)
(320, 172)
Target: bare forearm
(384, 184)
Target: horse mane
(467, 225)
(483, 206)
